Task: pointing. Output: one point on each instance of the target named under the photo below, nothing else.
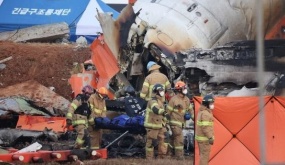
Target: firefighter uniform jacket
(154, 78)
(79, 111)
(176, 108)
(98, 107)
(154, 114)
(205, 125)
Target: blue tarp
(17, 14)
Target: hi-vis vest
(177, 107)
(154, 78)
(152, 120)
(204, 125)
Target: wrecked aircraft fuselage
(220, 70)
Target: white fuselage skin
(183, 24)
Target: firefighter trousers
(204, 150)
(83, 136)
(178, 144)
(96, 136)
(155, 137)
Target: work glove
(68, 122)
(211, 141)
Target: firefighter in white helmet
(155, 77)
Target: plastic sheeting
(236, 126)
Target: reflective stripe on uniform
(142, 95)
(91, 120)
(79, 141)
(150, 91)
(69, 115)
(205, 123)
(73, 105)
(149, 149)
(77, 122)
(167, 83)
(178, 123)
(154, 126)
(202, 138)
(179, 148)
(146, 84)
(160, 111)
(91, 106)
(170, 108)
(97, 111)
(95, 148)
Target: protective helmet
(88, 62)
(207, 100)
(87, 89)
(152, 66)
(102, 91)
(129, 90)
(180, 85)
(187, 116)
(157, 89)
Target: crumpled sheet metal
(19, 106)
(39, 94)
(116, 31)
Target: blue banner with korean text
(16, 14)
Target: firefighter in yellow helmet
(155, 77)
(98, 106)
(179, 108)
(205, 129)
(78, 115)
(153, 123)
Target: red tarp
(236, 126)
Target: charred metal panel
(236, 63)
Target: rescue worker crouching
(78, 115)
(134, 105)
(205, 129)
(155, 77)
(98, 109)
(179, 108)
(154, 123)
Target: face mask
(184, 91)
(211, 106)
(161, 93)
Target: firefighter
(153, 123)
(78, 115)
(133, 104)
(179, 108)
(155, 77)
(98, 107)
(205, 129)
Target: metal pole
(260, 68)
(118, 138)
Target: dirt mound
(48, 64)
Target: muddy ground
(48, 64)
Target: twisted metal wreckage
(227, 70)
